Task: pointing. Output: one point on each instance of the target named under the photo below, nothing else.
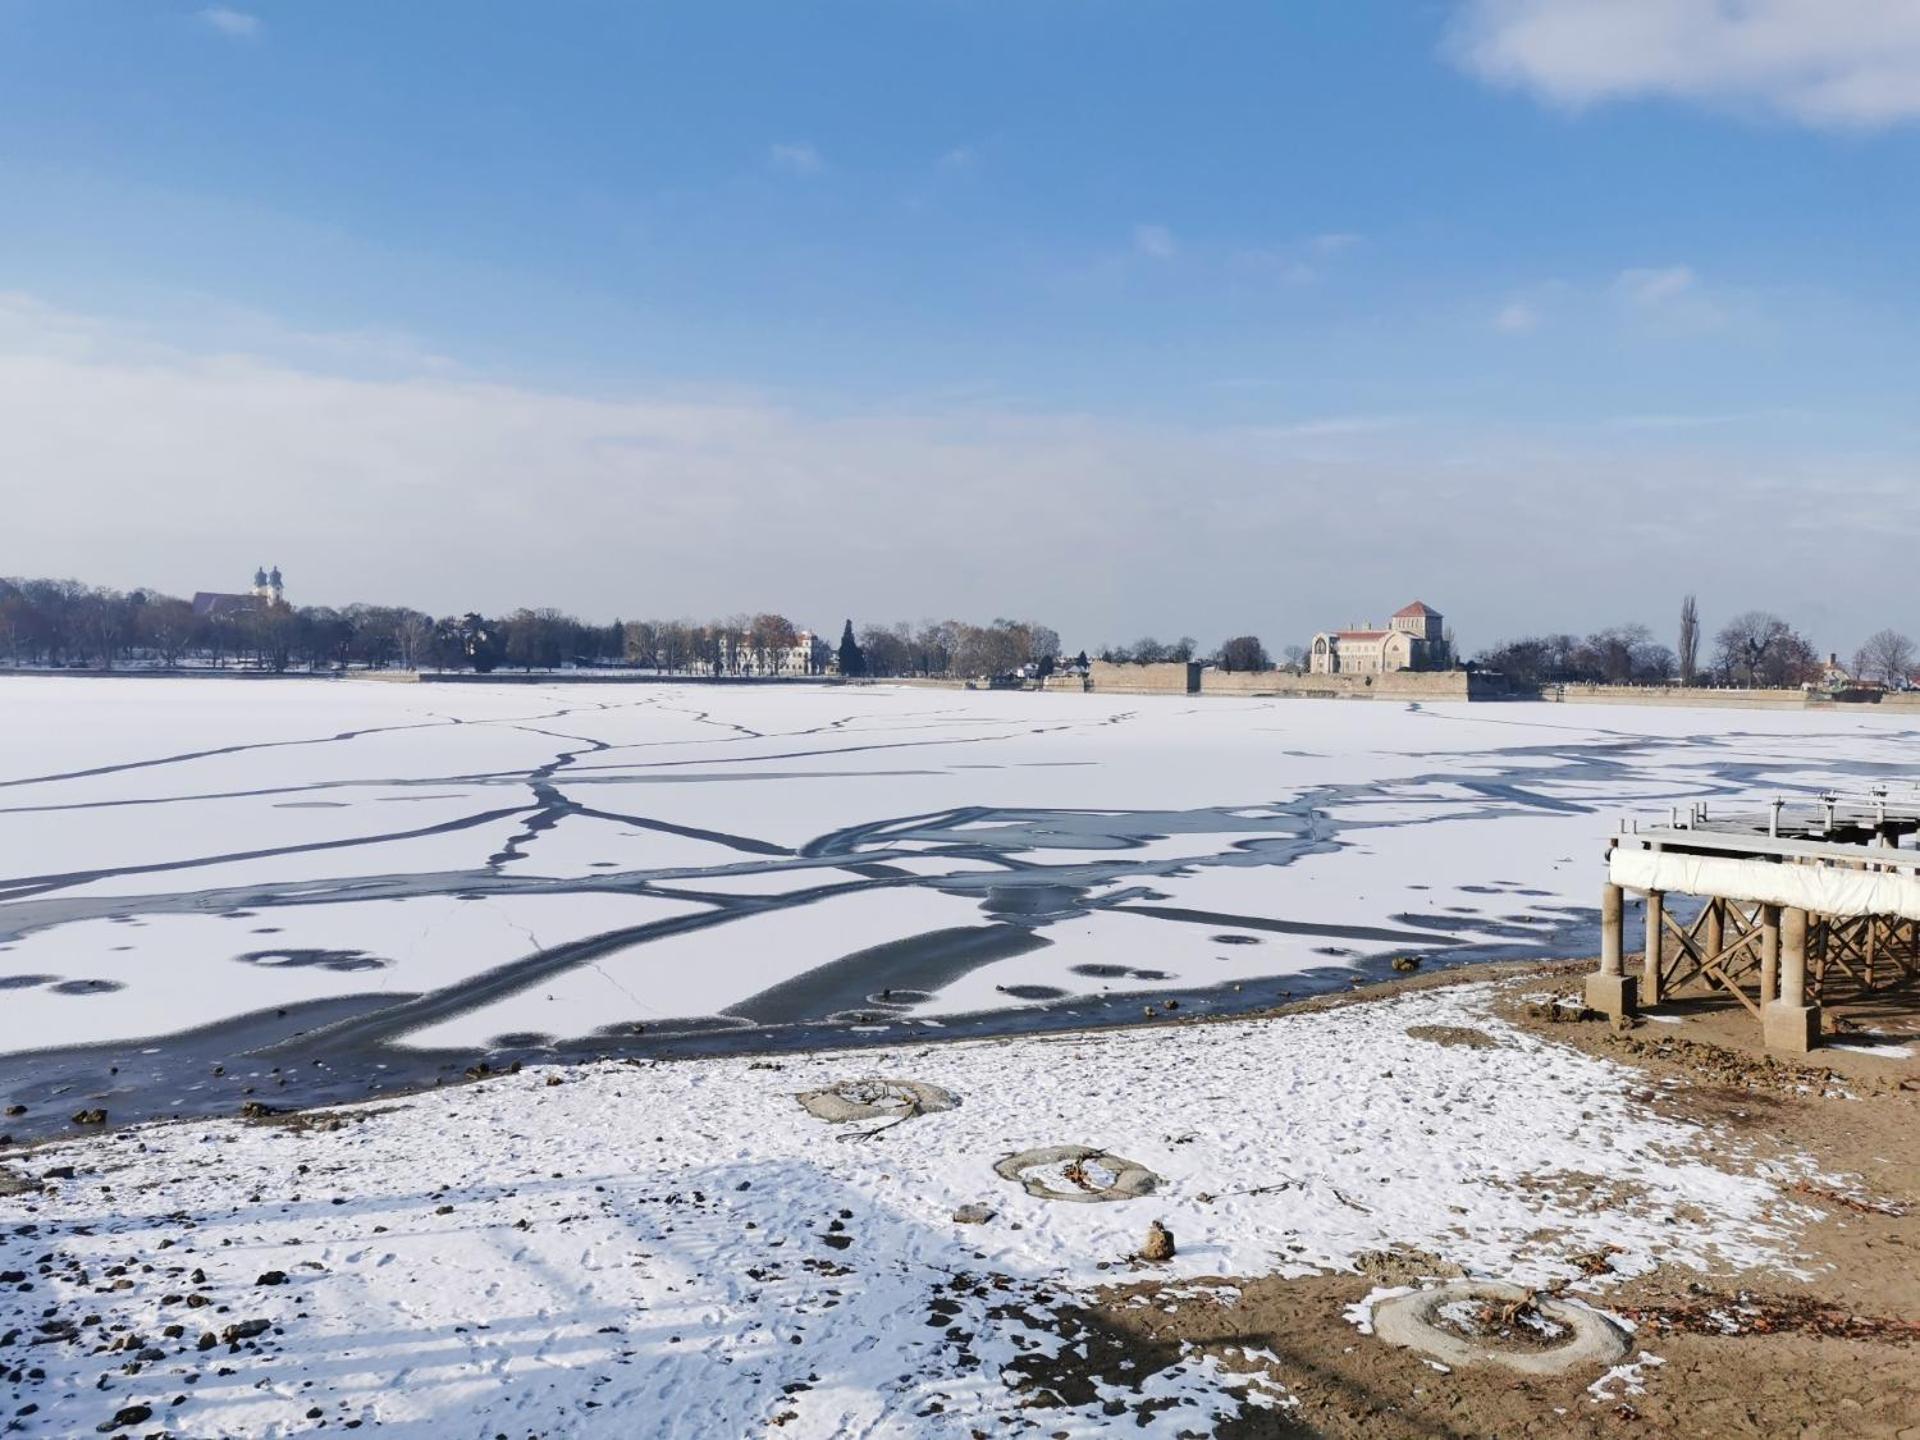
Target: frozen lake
(312, 883)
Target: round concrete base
(1077, 1173)
(876, 1098)
(1414, 1321)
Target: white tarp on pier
(1823, 889)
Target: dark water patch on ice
(1034, 900)
(1031, 992)
(1116, 972)
(1282, 927)
(928, 962)
(25, 982)
(1470, 922)
(678, 1025)
(344, 961)
(1235, 939)
(522, 1040)
(87, 987)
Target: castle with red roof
(1414, 639)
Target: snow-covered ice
(505, 862)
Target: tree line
(1756, 649)
(63, 623)
(948, 648)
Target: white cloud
(1298, 262)
(1651, 288)
(442, 490)
(1516, 317)
(1332, 426)
(1851, 64)
(237, 23)
(795, 157)
(960, 157)
(1334, 242)
(1154, 241)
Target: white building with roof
(1414, 639)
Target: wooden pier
(1803, 904)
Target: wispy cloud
(960, 157)
(795, 157)
(1650, 288)
(1298, 262)
(1517, 317)
(1326, 426)
(1154, 241)
(1704, 421)
(1671, 299)
(236, 23)
(1852, 64)
(1334, 242)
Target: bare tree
(1296, 658)
(888, 649)
(104, 618)
(413, 635)
(166, 625)
(1244, 652)
(1887, 657)
(1760, 649)
(934, 646)
(767, 634)
(1689, 654)
(17, 620)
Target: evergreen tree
(852, 661)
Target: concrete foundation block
(1792, 1028)
(1613, 994)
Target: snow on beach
(184, 853)
(640, 1247)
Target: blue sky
(1507, 296)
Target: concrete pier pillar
(1611, 990)
(1650, 970)
(1793, 956)
(1769, 954)
(1789, 1023)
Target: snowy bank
(631, 1248)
